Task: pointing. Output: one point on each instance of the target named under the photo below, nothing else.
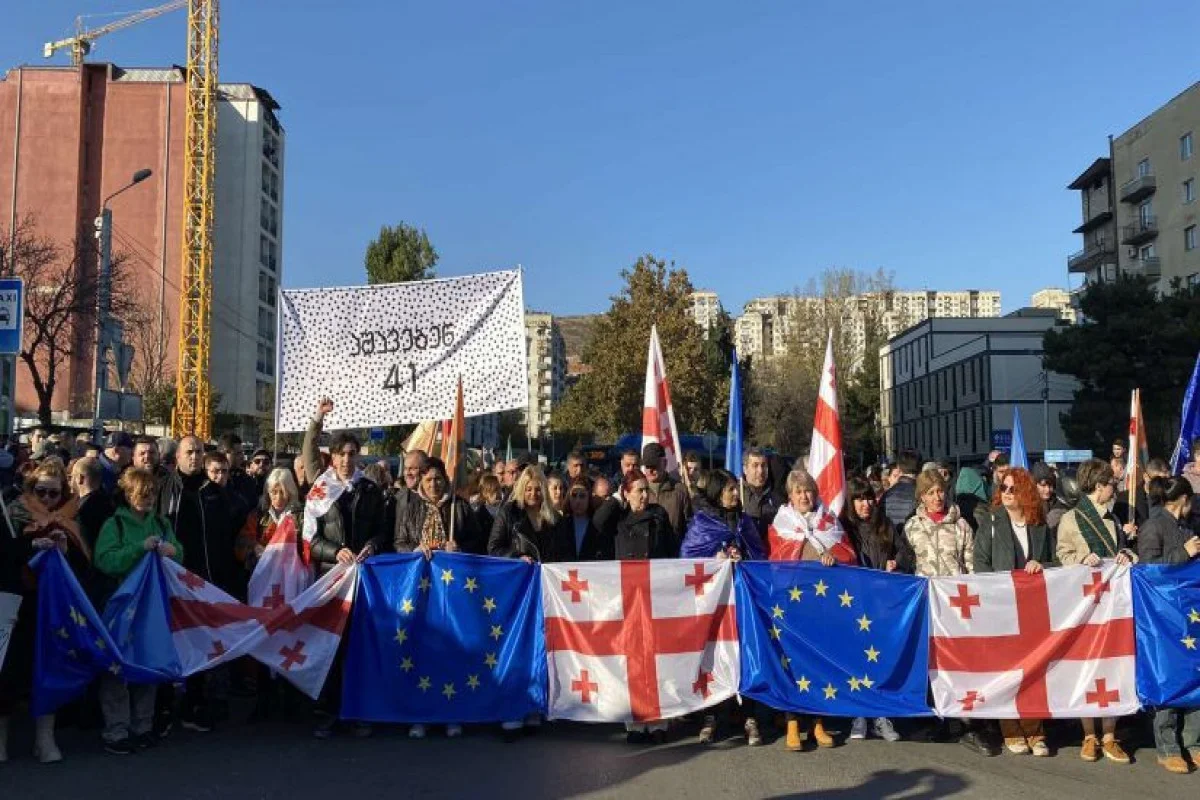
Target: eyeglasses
(262, 461)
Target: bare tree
(60, 301)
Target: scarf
(321, 497)
(818, 526)
(44, 521)
(708, 534)
(1091, 525)
(433, 531)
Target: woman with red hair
(1014, 537)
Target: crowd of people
(214, 511)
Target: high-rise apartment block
(763, 328)
(706, 309)
(1057, 299)
(1139, 207)
(547, 355)
(72, 136)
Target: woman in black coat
(639, 528)
(1014, 536)
(437, 520)
(528, 527)
(590, 543)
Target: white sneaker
(453, 731)
(858, 728)
(416, 731)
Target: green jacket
(122, 541)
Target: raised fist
(324, 406)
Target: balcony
(1095, 253)
(1150, 267)
(1138, 189)
(1093, 222)
(1143, 230)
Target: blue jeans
(1174, 727)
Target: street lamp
(104, 336)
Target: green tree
(607, 401)
(1131, 337)
(400, 253)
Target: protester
(239, 483)
(491, 498)
(665, 490)
(601, 489)
(943, 545)
(1086, 535)
(528, 527)
(971, 496)
(556, 489)
(281, 499)
(1165, 539)
(630, 461)
(640, 530)
(692, 465)
(879, 546)
(1053, 507)
(439, 521)
(352, 525)
(900, 500)
(761, 499)
(95, 505)
(407, 490)
(590, 544)
(126, 537)
(377, 472)
(720, 529)
(577, 468)
(42, 518)
(1014, 537)
(804, 530)
(509, 478)
(118, 452)
(259, 467)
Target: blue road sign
(1002, 440)
(12, 315)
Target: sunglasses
(578, 495)
(1008, 488)
(47, 492)
(262, 461)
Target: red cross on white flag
(1012, 645)
(647, 640)
(658, 414)
(280, 574)
(825, 458)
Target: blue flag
(1190, 429)
(139, 620)
(1017, 456)
(835, 641)
(72, 646)
(733, 438)
(453, 640)
(1166, 618)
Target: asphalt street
(279, 760)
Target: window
(1145, 213)
(1189, 190)
(266, 289)
(1189, 237)
(266, 359)
(264, 397)
(266, 324)
(1143, 168)
(1193, 280)
(1185, 146)
(1146, 252)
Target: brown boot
(795, 739)
(1090, 751)
(1175, 764)
(820, 736)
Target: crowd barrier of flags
(463, 638)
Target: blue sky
(755, 142)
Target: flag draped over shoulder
(839, 641)
(450, 640)
(1166, 601)
(281, 574)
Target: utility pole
(1045, 412)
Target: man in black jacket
(356, 526)
(240, 483)
(761, 500)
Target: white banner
(9, 604)
(392, 354)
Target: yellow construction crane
(81, 43)
(193, 395)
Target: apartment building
(547, 356)
(1057, 299)
(1138, 203)
(706, 309)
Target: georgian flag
(639, 640)
(825, 459)
(1012, 645)
(324, 493)
(658, 414)
(280, 575)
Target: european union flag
(456, 639)
(1166, 619)
(836, 641)
(139, 619)
(72, 646)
